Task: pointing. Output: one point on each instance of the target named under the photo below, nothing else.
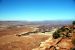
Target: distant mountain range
(35, 22)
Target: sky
(37, 10)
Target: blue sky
(37, 10)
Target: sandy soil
(12, 42)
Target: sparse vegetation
(72, 49)
(56, 35)
(31, 40)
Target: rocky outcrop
(64, 42)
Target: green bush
(73, 22)
(56, 35)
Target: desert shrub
(58, 31)
(62, 29)
(72, 48)
(56, 35)
(70, 31)
(73, 22)
(68, 35)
